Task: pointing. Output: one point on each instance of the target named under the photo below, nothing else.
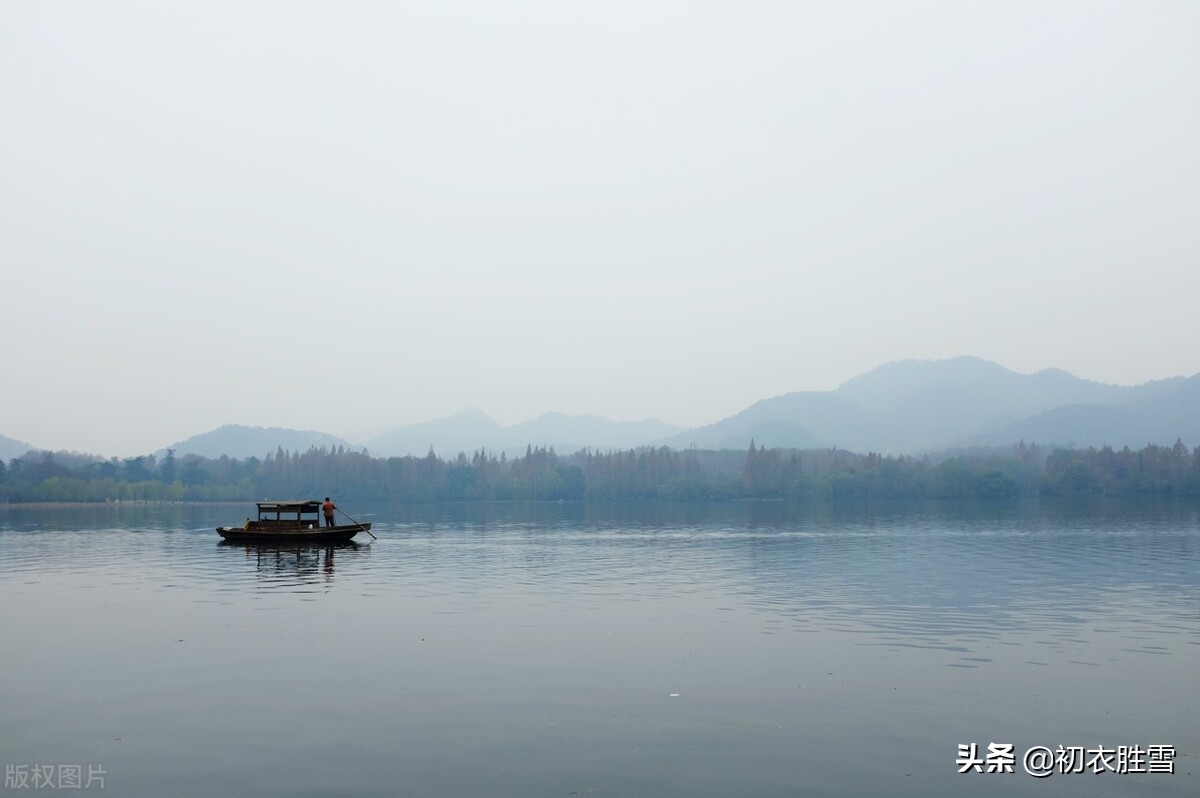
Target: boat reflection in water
(296, 563)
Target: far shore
(115, 503)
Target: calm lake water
(558, 650)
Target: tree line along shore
(1023, 470)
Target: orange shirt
(328, 507)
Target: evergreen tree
(167, 469)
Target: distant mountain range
(466, 431)
(238, 441)
(916, 406)
(472, 429)
(909, 406)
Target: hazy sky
(347, 216)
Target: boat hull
(326, 534)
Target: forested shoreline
(649, 473)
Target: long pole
(364, 529)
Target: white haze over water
(351, 216)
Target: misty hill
(938, 404)
(917, 406)
(793, 421)
(464, 431)
(571, 433)
(472, 429)
(1157, 412)
(10, 448)
(240, 441)
(905, 407)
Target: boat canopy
(278, 509)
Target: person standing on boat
(328, 507)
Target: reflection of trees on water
(297, 563)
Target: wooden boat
(290, 522)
